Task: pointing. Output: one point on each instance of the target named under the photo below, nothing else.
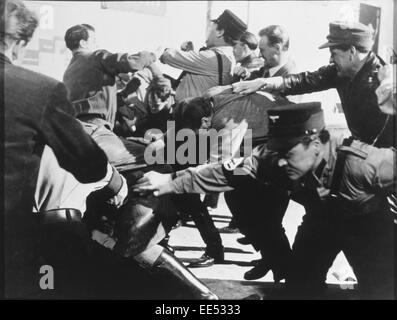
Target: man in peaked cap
(342, 185)
(207, 68)
(344, 188)
(353, 72)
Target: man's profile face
(299, 160)
(342, 61)
(240, 51)
(270, 53)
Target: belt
(60, 215)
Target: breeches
(367, 242)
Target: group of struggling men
(74, 152)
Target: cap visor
(282, 144)
(329, 44)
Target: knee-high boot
(170, 264)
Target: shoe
(229, 229)
(170, 264)
(243, 240)
(254, 296)
(261, 269)
(206, 261)
(257, 272)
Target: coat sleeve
(75, 151)
(218, 177)
(203, 62)
(116, 63)
(307, 82)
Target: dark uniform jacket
(37, 113)
(91, 82)
(359, 102)
(368, 174)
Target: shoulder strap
(339, 166)
(220, 67)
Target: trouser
(192, 204)
(367, 241)
(258, 212)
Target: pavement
(226, 279)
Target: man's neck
(80, 50)
(220, 43)
(283, 59)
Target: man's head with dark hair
(80, 37)
(193, 113)
(17, 26)
(273, 44)
(245, 46)
(225, 30)
(159, 94)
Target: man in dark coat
(37, 113)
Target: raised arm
(203, 62)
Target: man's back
(85, 77)
(25, 98)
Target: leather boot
(169, 263)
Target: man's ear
(353, 52)
(82, 43)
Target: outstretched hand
(246, 87)
(211, 92)
(153, 182)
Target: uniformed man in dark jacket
(352, 72)
(342, 185)
(37, 113)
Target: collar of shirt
(273, 70)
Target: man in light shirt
(202, 69)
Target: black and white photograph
(199, 150)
